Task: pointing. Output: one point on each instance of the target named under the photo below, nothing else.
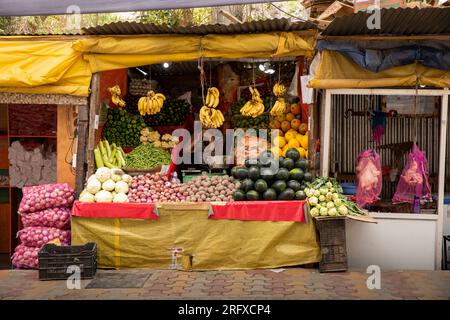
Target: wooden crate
(333, 246)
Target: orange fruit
(277, 151)
(289, 136)
(296, 109)
(274, 124)
(303, 128)
(281, 117)
(295, 124)
(293, 143)
(290, 117)
(279, 142)
(285, 125)
(303, 153)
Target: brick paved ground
(292, 283)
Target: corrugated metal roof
(127, 28)
(394, 21)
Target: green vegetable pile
(326, 199)
(240, 121)
(147, 156)
(123, 128)
(173, 112)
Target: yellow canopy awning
(61, 66)
(336, 71)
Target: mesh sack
(52, 217)
(25, 257)
(369, 177)
(414, 179)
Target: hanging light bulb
(270, 71)
(262, 67)
(166, 65)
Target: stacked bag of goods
(292, 133)
(45, 214)
(32, 166)
(271, 177)
(106, 185)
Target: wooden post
(441, 179)
(325, 141)
(94, 106)
(82, 128)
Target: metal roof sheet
(128, 28)
(394, 21)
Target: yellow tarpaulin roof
(336, 71)
(32, 65)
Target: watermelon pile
(271, 177)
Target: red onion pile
(45, 213)
(25, 257)
(154, 188)
(38, 236)
(52, 217)
(46, 196)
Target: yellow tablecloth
(213, 244)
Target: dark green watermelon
(265, 157)
(253, 172)
(293, 154)
(234, 172)
(296, 174)
(242, 173)
(287, 194)
(300, 195)
(247, 185)
(279, 186)
(282, 174)
(260, 185)
(270, 194)
(308, 177)
(301, 164)
(251, 162)
(294, 185)
(267, 174)
(239, 195)
(288, 163)
(252, 195)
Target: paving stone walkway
(292, 283)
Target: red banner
(116, 210)
(260, 211)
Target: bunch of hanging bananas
(253, 107)
(279, 90)
(151, 104)
(116, 96)
(212, 97)
(209, 116)
(280, 105)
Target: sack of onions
(52, 217)
(46, 196)
(25, 257)
(38, 236)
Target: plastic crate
(54, 261)
(332, 244)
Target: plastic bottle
(175, 178)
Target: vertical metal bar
(441, 179)
(325, 167)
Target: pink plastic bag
(369, 177)
(46, 196)
(414, 179)
(38, 236)
(52, 217)
(25, 257)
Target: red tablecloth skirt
(116, 210)
(260, 210)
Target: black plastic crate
(54, 261)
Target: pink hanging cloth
(369, 177)
(414, 179)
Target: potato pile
(205, 189)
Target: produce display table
(211, 243)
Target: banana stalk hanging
(116, 96)
(209, 116)
(255, 106)
(280, 105)
(151, 104)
